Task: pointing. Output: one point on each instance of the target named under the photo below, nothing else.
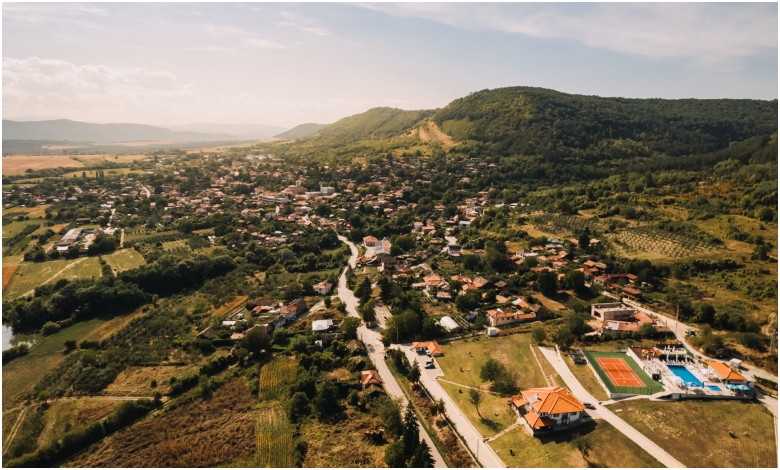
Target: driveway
(376, 350)
(485, 454)
(602, 412)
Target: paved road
(376, 350)
(486, 455)
(602, 412)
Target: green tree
(349, 327)
(256, 341)
(297, 406)
(414, 372)
(648, 330)
(575, 280)
(422, 457)
(394, 455)
(538, 333)
(326, 401)
(583, 445)
(411, 437)
(547, 283)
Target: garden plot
(275, 447)
(670, 245)
(558, 223)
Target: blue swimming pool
(686, 375)
(714, 388)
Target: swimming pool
(687, 377)
(714, 388)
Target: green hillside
(300, 131)
(376, 123)
(536, 121)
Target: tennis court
(619, 372)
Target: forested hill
(376, 123)
(300, 131)
(537, 121)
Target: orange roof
(432, 347)
(552, 400)
(726, 372)
(536, 421)
(368, 377)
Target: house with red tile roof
(726, 374)
(548, 408)
(370, 377)
(431, 347)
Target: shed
(736, 363)
(492, 331)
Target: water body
(10, 339)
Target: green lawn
(463, 360)
(122, 260)
(651, 386)
(496, 414)
(587, 379)
(31, 275)
(15, 228)
(696, 432)
(611, 448)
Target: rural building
(612, 311)
(323, 288)
(498, 317)
(294, 308)
(321, 325)
(548, 408)
(727, 375)
(370, 377)
(430, 347)
(69, 239)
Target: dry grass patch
(136, 381)
(8, 273)
(343, 445)
(697, 432)
(17, 164)
(123, 260)
(230, 307)
(203, 433)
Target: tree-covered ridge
(376, 123)
(536, 121)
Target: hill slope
(537, 121)
(376, 123)
(65, 129)
(238, 131)
(300, 131)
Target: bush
(49, 328)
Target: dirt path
(16, 427)
(510, 428)
(466, 386)
(430, 132)
(54, 276)
(539, 363)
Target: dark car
(430, 365)
(589, 406)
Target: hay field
(30, 276)
(123, 260)
(17, 164)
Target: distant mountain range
(68, 130)
(300, 131)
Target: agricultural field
(136, 381)
(96, 159)
(495, 410)
(29, 276)
(275, 446)
(559, 223)
(611, 448)
(196, 434)
(669, 425)
(176, 246)
(15, 228)
(343, 445)
(8, 273)
(275, 378)
(649, 243)
(18, 164)
(123, 260)
(462, 360)
(21, 374)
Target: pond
(10, 339)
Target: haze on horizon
(287, 64)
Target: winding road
(373, 342)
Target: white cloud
(241, 37)
(703, 33)
(36, 85)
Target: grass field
(20, 375)
(611, 448)
(585, 377)
(29, 276)
(496, 414)
(696, 432)
(15, 228)
(176, 245)
(275, 446)
(463, 360)
(203, 433)
(17, 164)
(122, 260)
(66, 414)
(275, 377)
(136, 381)
(650, 386)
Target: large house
(500, 318)
(547, 407)
(431, 347)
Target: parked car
(589, 406)
(430, 365)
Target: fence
(621, 389)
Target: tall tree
(475, 398)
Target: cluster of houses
(617, 318)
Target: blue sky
(285, 64)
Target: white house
(322, 288)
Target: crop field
(29, 276)
(275, 377)
(123, 260)
(559, 223)
(152, 236)
(176, 246)
(275, 447)
(611, 448)
(17, 164)
(15, 228)
(8, 273)
(463, 360)
(96, 159)
(647, 242)
(21, 374)
(203, 433)
(670, 425)
(136, 381)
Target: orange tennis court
(619, 372)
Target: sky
(285, 64)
